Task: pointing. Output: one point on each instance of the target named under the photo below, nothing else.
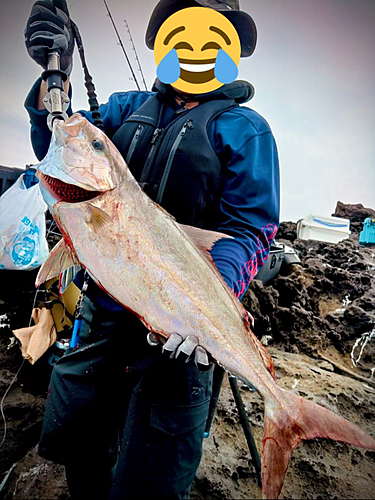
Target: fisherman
(125, 419)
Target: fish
(162, 271)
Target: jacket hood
(239, 90)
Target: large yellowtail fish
(160, 270)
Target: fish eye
(97, 145)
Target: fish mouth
(68, 192)
(197, 71)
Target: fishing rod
(121, 45)
(56, 101)
(135, 54)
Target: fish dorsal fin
(60, 258)
(99, 218)
(202, 238)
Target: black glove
(184, 350)
(49, 29)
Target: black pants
(116, 405)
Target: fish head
(81, 162)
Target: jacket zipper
(147, 166)
(133, 144)
(163, 182)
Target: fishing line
(13, 380)
(3, 400)
(51, 230)
(363, 339)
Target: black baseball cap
(242, 21)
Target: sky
(313, 71)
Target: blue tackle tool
(78, 316)
(75, 336)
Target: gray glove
(182, 350)
(49, 29)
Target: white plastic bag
(23, 243)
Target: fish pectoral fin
(202, 238)
(98, 218)
(60, 258)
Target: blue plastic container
(367, 235)
(29, 178)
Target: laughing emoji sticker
(197, 50)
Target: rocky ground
(318, 321)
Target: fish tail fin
(288, 421)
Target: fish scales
(150, 266)
(153, 266)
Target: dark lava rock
(287, 231)
(356, 213)
(327, 300)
